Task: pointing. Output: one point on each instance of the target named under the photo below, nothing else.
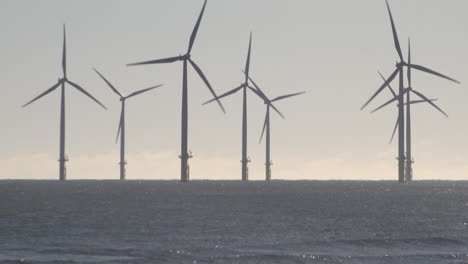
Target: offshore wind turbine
(61, 82)
(401, 91)
(423, 99)
(244, 86)
(185, 155)
(121, 129)
(266, 125)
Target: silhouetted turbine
(184, 155)
(245, 160)
(63, 158)
(266, 124)
(121, 129)
(401, 91)
(424, 99)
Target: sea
(233, 222)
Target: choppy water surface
(233, 222)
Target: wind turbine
(423, 99)
(121, 129)
(399, 71)
(244, 86)
(61, 82)
(185, 155)
(266, 125)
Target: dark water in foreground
(233, 222)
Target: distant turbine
(245, 160)
(184, 155)
(401, 91)
(266, 125)
(424, 99)
(121, 129)
(63, 158)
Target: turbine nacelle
(400, 64)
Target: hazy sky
(330, 49)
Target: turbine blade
(160, 61)
(64, 55)
(286, 96)
(205, 80)
(108, 83)
(195, 29)
(120, 126)
(429, 101)
(225, 94)
(258, 93)
(420, 101)
(395, 35)
(424, 69)
(257, 90)
(143, 91)
(389, 87)
(247, 64)
(409, 62)
(264, 127)
(44, 93)
(390, 101)
(394, 130)
(85, 92)
(389, 80)
(276, 110)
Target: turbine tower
(266, 124)
(244, 86)
(61, 82)
(121, 129)
(185, 155)
(401, 91)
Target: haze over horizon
(332, 50)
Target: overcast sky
(330, 49)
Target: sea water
(233, 222)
